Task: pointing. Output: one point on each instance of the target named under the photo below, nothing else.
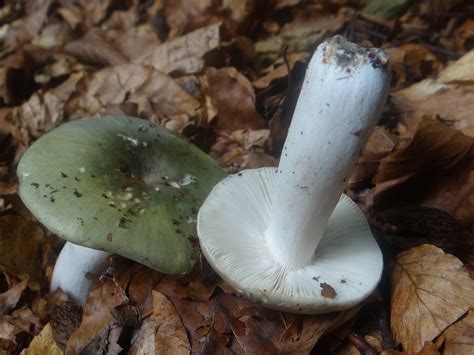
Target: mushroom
(117, 185)
(287, 237)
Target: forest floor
(226, 74)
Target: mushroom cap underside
(345, 269)
(120, 184)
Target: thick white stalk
(76, 269)
(343, 94)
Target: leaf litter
(226, 74)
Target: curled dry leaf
(430, 290)
(162, 332)
(21, 249)
(43, 343)
(433, 170)
(459, 338)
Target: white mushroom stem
(76, 269)
(343, 94)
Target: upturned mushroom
(117, 185)
(287, 237)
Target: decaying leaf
(459, 338)
(162, 332)
(21, 249)
(43, 343)
(99, 332)
(430, 291)
(183, 54)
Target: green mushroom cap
(120, 184)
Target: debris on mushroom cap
(285, 237)
(88, 179)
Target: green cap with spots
(120, 184)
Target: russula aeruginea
(117, 185)
(288, 238)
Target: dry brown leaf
(99, 329)
(10, 298)
(183, 54)
(279, 69)
(433, 170)
(155, 95)
(459, 338)
(428, 349)
(300, 35)
(43, 343)
(411, 62)
(42, 112)
(233, 96)
(95, 49)
(162, 332)
(21, 249)
(450, 96)
(30, 26)
(430, 290)
(9, 329)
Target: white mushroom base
(76, 269)
(231, 226)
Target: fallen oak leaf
(430, 290)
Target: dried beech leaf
(94, 48)
(183, 54)
(434, 170)
(459, 338)
(162, 332)
(450, 96)
(156, 95)
(43, 343)
(42, 112)
(99, 329)
(430, 290)
(21, 243)
(428, 349)
(233, 96)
